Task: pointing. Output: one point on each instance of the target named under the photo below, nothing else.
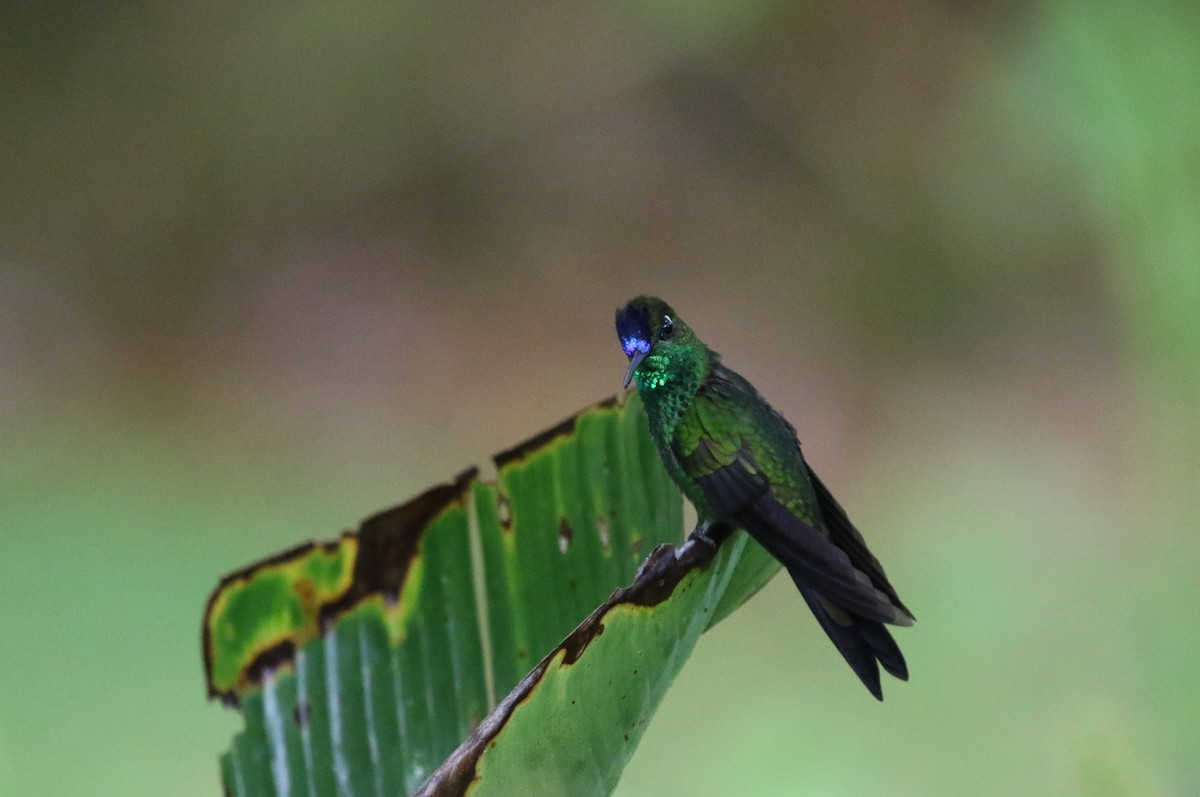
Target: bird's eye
(668, 328)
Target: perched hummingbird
(737, 460)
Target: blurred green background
(266, 268)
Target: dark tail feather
(864, 644)
(814, 560)
(850, 606)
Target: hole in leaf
(504, 511)
(602, 530)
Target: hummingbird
(739, 461)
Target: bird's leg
(701, 533)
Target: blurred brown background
(266, 268)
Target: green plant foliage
(361, 663)
(572, 724)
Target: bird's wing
(846, 536)
(711, 450)
(815, 561)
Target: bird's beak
(634, 362)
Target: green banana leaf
(440, 649)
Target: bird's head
(656, 341)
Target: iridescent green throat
(667, 382)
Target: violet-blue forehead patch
(633, 329)
(631, 345)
